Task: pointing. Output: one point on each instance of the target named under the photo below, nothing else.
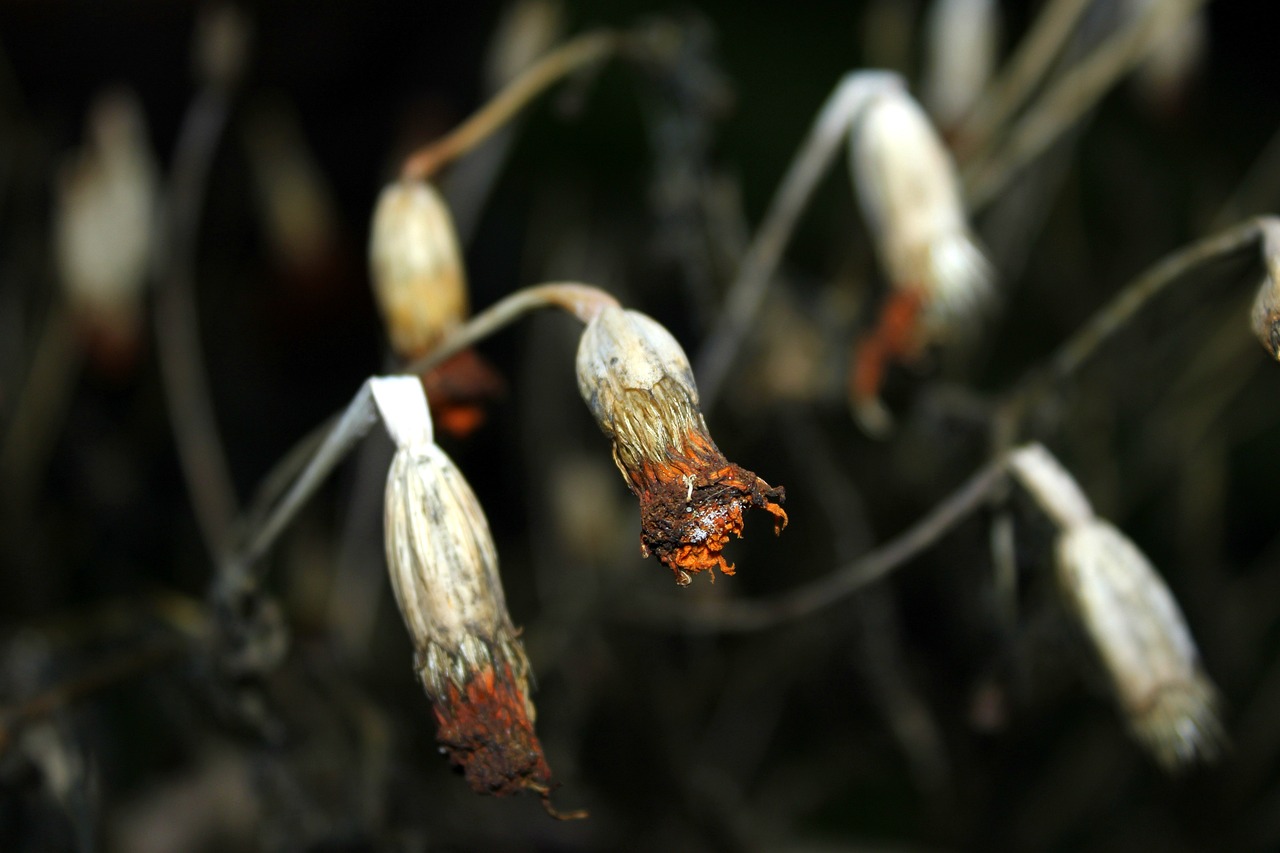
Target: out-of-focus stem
(1025, 70)
(745, 295)
(1261, 233)
(1075, 94)
(569, 57)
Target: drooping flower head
(637, 382)
(444, 572)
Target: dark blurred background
(914, 715)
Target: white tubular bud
(637, 382)
(105, 221)
(416, 266)
(962, 39)
(910, 196)
(1052, 487)
(444, 572)
(1143, 642)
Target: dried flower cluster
(1131, 619)
(637, 382)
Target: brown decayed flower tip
(637, 382)
(444, 573)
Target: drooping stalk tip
(638, 384)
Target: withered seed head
(1143, 642)
(910, 196)
(416, 267)
(637, 382)
(444, 571)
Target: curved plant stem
(301, 470)
(759, 615)
(1260, 234)
(1024, 71)
(1062, 106)
(745, 295)
(182, 367)
(569, 57)
(581, 300)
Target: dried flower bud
(105, 225)
(526, 30)
(444, 571)
(910, 195)
(1143, 642)
(418, 277)
(962, 40)
(1265, 317)
(1162, 78)
(638, 384)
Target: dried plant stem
(1064, 104)
(13, 717)
(178, 328)
(581, 300)
(745, 295)
(569, 57)
(1020, 77)
(759, 615)
(305, 466)
(1262, 233)
(39, 411)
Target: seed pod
(416, 266)
(444, 572)
(105, 227)
(1143, 642)
(637, 382)
(962, 38)
(910, 196)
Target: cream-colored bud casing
(416, 266)
(1143, 642)
(910, 196)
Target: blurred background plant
(951, 705)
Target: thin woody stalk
(1064, 104)
(1024, 71)
(581, 300)
(1262, 234)
(562, 61)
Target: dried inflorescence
(444, 572)
(1131, 618)
(637, 382)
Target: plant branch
(562, 61)
(1024, 71)
(1075, 94)
(1261, 234)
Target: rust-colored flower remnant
(444, 572)
(637, 382)
(421, 289)
(1130, 617)
(910, 197)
